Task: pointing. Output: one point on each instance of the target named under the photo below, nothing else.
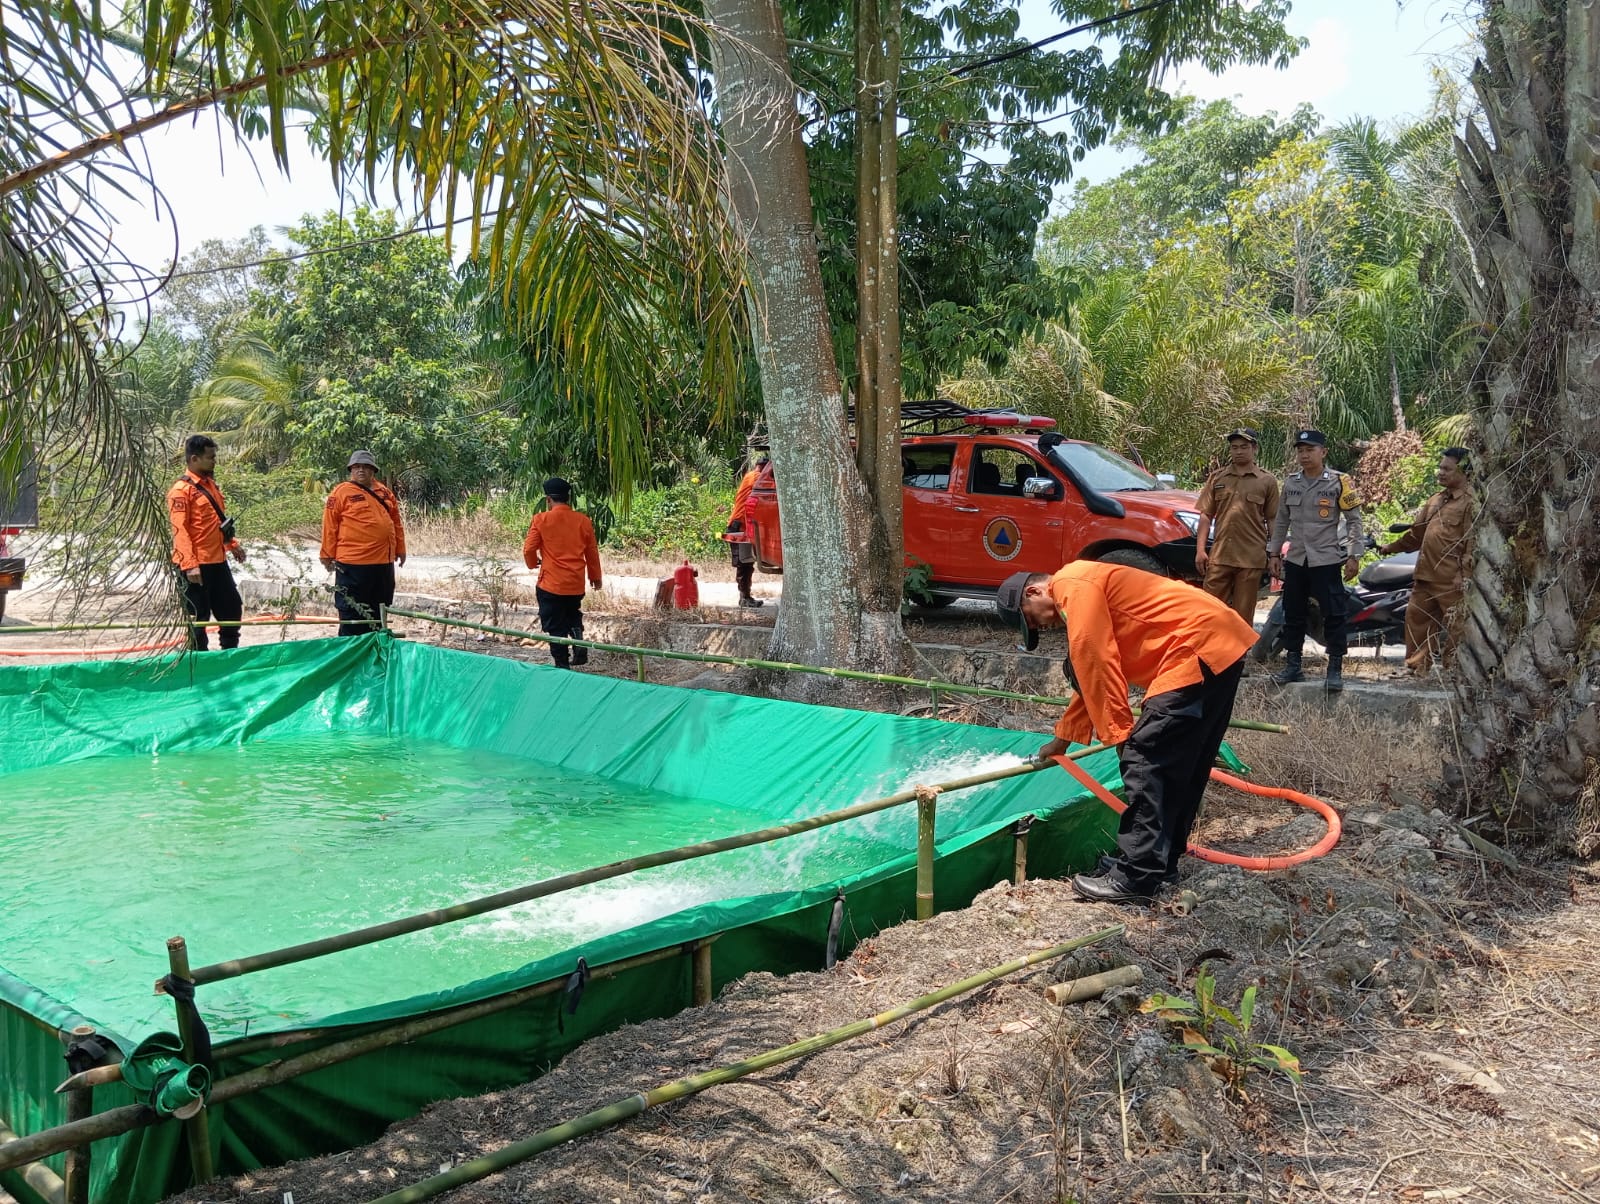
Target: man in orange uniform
(1240, 500)
(561, 545)
(202, 538)
(742, 552)
(362, 541)
(1441, 536)
(1126, 626)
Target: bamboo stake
(702, 973)
(600, 1118)
(196, 1128)
(39, 1177)
(927, 814)
(1019, 854)
(18, 1151)
(1092, 986)
(743, 662)
(550, 886)
(80, 1104)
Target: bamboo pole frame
(744, 662)
(59, 628)
(40, 1179)
(197, 1128)
(633, 1105)
(927, 817)
(80, 1106)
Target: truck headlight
(1189, 519)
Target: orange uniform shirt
(561, 545)
(1127, 627)
(360, 527)
(741, 496)
(196, 525)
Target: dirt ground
(1443, 1002)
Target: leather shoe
(1109, 889)
(1108, 862)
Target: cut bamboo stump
(1094, 985)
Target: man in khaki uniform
(1238, 502)
(1440, 535)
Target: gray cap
(362, 457)
(1008, 601)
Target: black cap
(1310, 438)
(558, 488)
(1008, 601)
(1245, 433)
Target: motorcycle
(1375, 606)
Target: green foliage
(919, 577)
(681, 520)
(1221, 1035)
(250, 401)
(270, 504)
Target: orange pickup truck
(991, 492)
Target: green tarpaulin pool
(260, 798)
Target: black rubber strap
(85, 1053)
(572, 994)
(835, 926)
(182, 992)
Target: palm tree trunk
(841, 592)
(1528, 674)
(1394, 393)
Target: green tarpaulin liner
(258, 798)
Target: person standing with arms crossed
(1440, 535)
(1316, 499)
(362, 541)
(1239, 501)
(561, 545)
(202, 541)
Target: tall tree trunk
(1528, 676)
(878, 265)
(841, 590)
(1394, 394)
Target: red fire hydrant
(685, 591)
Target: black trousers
(359, 590)
(1165, 766)
(562, 615)
(743, 556)
(1324, 583)
(214, 596)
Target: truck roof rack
(940, 416)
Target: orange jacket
(741, 497)
(360, 527)
(1125, 627)
(196, 525)
(561, 544)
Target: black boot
(1291, 670)
(1334, 682)
(749, 601)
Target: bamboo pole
(1019, 853)
(196, 1128)
(743, 662)
(40, 1179)
(219, 971)
(702, 973)
(927, 817)
(80, 1104)
(117, 1121)
(57, 628)
(600, 1118)
(1092, 986)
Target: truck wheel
(1134, 558)
(936, 601)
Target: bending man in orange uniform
(202, 538)
(1126, 626)
(561, 545)
(362, 541)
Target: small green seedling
(1220, 1035)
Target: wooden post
(197, 1128)
(1019, 860)
(80, 1106)
(927, 805)
(702, 973)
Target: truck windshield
(1103, 470)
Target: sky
(1365, 57)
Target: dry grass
(451, 534)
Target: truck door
(926, 501)
(996, 529)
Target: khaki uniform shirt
(1241, 503)
(1309, 516)
(1440, 535)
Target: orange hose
(90, 651)
(1329, 838)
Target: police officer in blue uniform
(1317, 501)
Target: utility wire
(1030, 47)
